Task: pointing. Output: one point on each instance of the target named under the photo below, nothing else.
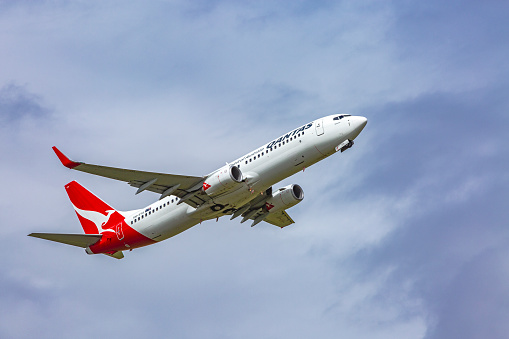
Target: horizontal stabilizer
(116, 255)
(79, 240)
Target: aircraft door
(319, 127)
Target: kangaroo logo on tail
(95, 215)
(97, 218)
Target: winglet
(65, 160)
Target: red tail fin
(94, 214)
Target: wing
(165, 184)
(255, 210)
(279, 219)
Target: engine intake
(284, 198)
(222, 180)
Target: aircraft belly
(287, 165)
(169, 225)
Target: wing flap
(79, 240)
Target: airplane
(241, 188)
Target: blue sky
(405, 235)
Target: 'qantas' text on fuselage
(292, 133)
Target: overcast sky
(405, 235)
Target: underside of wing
(162, 183)
(279, 219)
(79, 240)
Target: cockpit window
(339, 117)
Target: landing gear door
(319, 127)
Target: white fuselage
(261, 168)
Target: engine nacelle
(222, 180)
(284, 198)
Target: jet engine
(284, 198)
(222, 180)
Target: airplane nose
(358, 124)
(362, 122)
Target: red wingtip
(65, 160)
